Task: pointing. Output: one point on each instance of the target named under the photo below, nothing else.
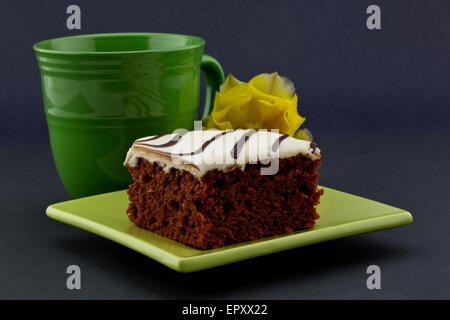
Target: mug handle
(214, 77)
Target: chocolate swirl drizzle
(171, 143)
(236, 150)
(240, 143)
(276, 144)
(152, 138)
(226, 148)
(203, 147)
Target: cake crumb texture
(224, 207)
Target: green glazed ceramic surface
(341, 215)
(103, 91)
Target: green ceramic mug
(103, 91)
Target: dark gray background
(377, 101)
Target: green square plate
(341, 215)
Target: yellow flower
(267, 101)
(304, 134)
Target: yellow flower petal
(274, 85)
(268, 101)
(304, 134)
(229, 83)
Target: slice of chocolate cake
(210, 188)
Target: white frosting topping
(201, 151)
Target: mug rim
(200, 42)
